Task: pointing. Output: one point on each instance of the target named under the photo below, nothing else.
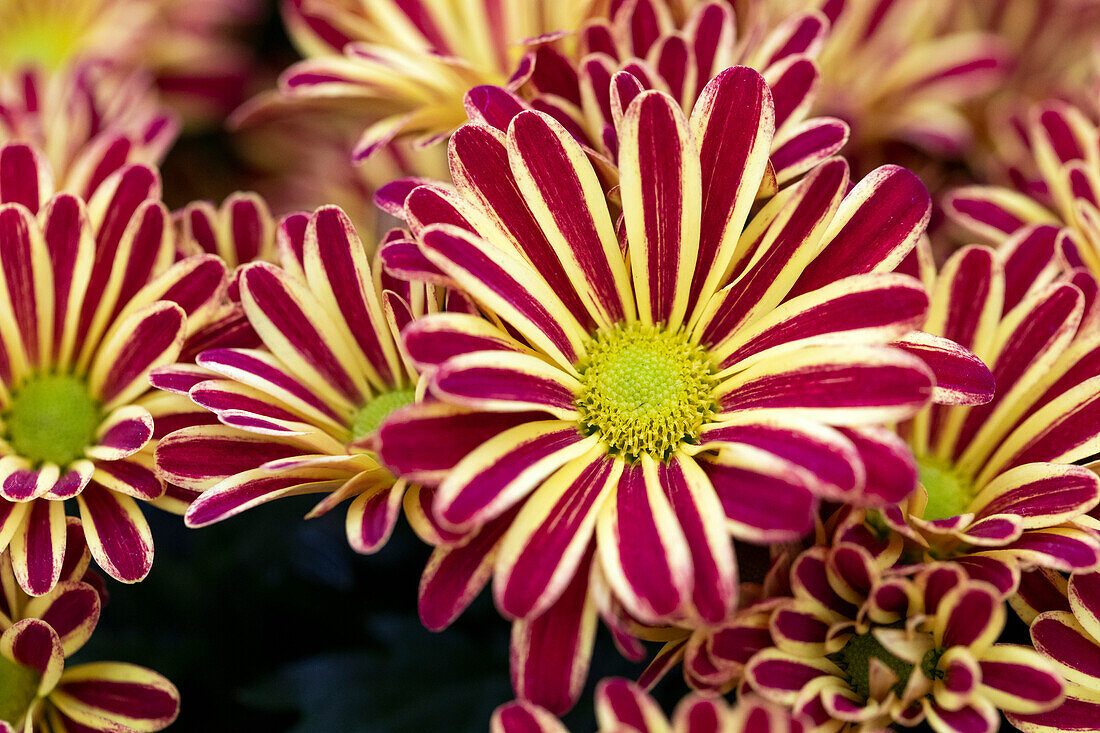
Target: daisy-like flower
(1065, 628)
(998, 486)
(91, 300)
(300, 416)
(622, 705)
(867, 651)
(925, 71)
(660, 409)
(89, 121)
(38, 693)
(405, 67)
(642, 46)
(188, 45)
(1056, 180)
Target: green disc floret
(52, 419)
(645, 390)
(368, 417)
(855, 660)
(949, 491)
(18, 688)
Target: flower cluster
(662, 338)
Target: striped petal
(508, 286)
(434, 339)
(977, 716)
(110, 695)
(961, 377)
(1018, 679)
(248, 489)
(545, 544)
(505, 469)
(876, 225)
(32, 643)
(505, 381)
(732, 122)
(38, 548)
(72, 611)
(660, 183)
(643, 552)
(551, 651)
(198, 457)
(118, 535)
(294, 325)
(621, 703)
(1041, 494)
(565, 196)
(779, 676)
(1067, 550)
(807, 145)
(122, 433)
(424, 442)
(149, 338)
(839, 385)
(373, 515)
(765, 498)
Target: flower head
(300, 416)
(668, 381)
(38, 693)
(1055, 181)
(870, 651)
(93, 299)
(999, 488)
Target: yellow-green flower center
(855, 659)
(18, 688)
(368, 417)
(40, 38)
(645, 390)
(949, 491)
(52, 419)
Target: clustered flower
(627, 291)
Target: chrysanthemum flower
(1055, 181)
(998, 485)
(659, 408)
(1065, 628)
(867, 651)
(924, 72)
(38, 694)
(642, 46)
(188, 45)
(300, 417)
(89, 121)
(91, 302)
(406, 67)
(622, 705)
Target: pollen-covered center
(51, 419)
(949, 492)
(645, 390)
(41, 37)
(368, 417)
(855, 659)
(18, 688)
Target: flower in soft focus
(642, 46)
(1056, 180)
(93, 299)
(1065, 628)
(187, 45)
(694, 374)
(405, 67)
(38, 693)
(999, 490)
(856, 648)
(925, 71)
(89, 121)
(621, 705)
(300, 417)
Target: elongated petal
(505, 381)
(32, 643)
(524, 717)
(118, 535)
(765, 498)
(372, 517)
(38, 549)
(433, 339)
(248, 489)
(149, 338)
(544, 547)
(113, 694)
(122, 433)
(661, 205)
(1019, 680)
(1041, 494)
(72, 611)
